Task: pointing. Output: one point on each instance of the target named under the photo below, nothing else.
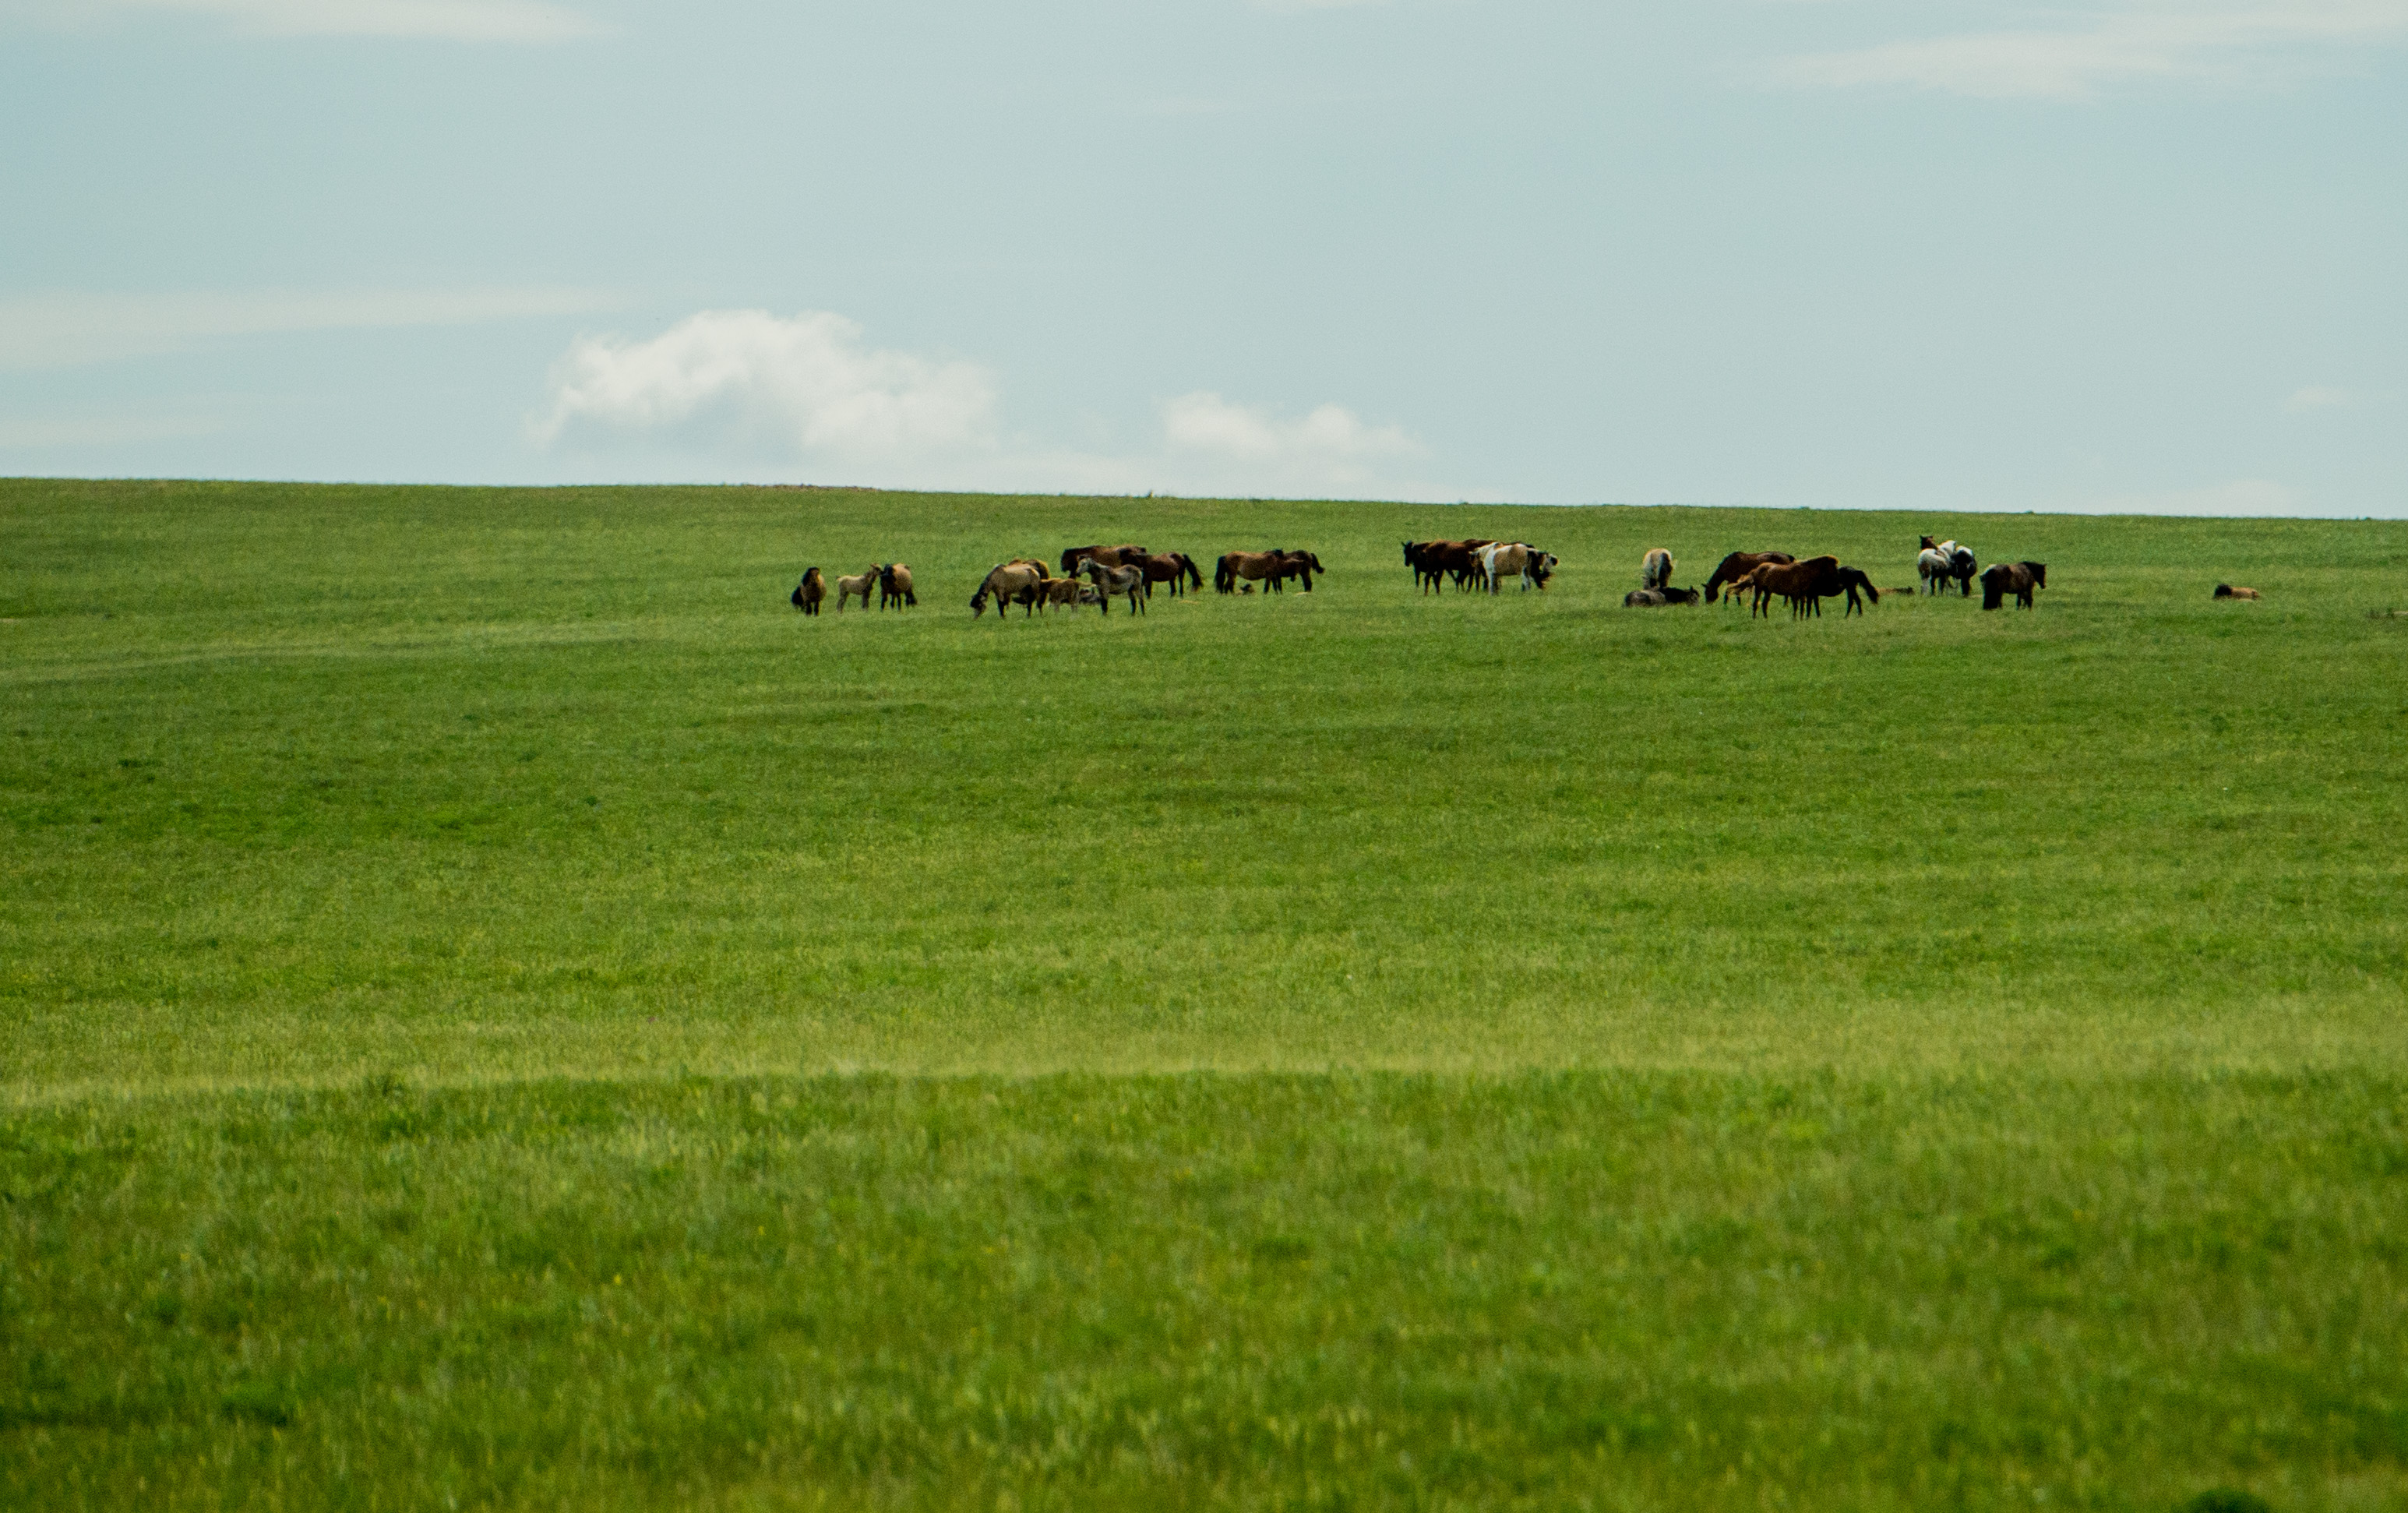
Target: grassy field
(500, 1011)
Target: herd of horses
(1098, 574)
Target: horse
(1070, 591)
(1802, 583)
(1958, 564)
(1651, 598)
(1008, 583)
(1655, 567)
(2229, 591)
(1521, 558)
(1177, 568)
(1111, 580)
(2018, 578)
(894, 587)
(1738, 566)
(811, 592)
(1932, 568)
(1271, 569)
(1111, 556)
(1299, 565)
(858, 585)
(1434, 560)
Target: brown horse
(1272, 568)
(1177, 568)
(1434, 560)
(894, 587)
(1800, 583)
(1999, 579)
(811, 592)
(1738, 566)
(1111, 556)
(2229, 591)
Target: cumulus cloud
(454, 21)
(2236, 41)
(1329, 442)
(72, 329)
(793, 386)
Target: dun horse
(811, 592)
(894, 587)
(1009, 583)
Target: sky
(2145, 256)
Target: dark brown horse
(1177, 568)
(1738, 566)
(1999, 579)
(1111, 556)
(1432, 561)
(1272, 568)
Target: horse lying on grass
(1652, 598)
(2229, 591)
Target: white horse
(1655, 567)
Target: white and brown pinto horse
(1518, 558)
(1655, 567)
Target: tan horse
(1008, 583)
(1655, 567)
(2233, 591)
(1249, 567)
(811, 592)
(858, 585)
(894, 587)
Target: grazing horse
(1177, 568)
(1655, 567)
(2018, 578)
(1299, 565)
(1426, 574)
(894, 587)
(811, 592)
(1009, 583)
(2228, 591)
(1736, 567)
(1111, 556)
(1956, 562)
(858, 585)
(1111, 580)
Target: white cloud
(455, 21)
(1330, 435)
(66, 330)
(2235, 41)
(794, 386)
(2317, 397)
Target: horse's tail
(1223, 575)
(1194, 577)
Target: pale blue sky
(2086, 256)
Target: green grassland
(496, 1010)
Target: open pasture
(499, 1006)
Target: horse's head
(2039, 573)
(1930, 545)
